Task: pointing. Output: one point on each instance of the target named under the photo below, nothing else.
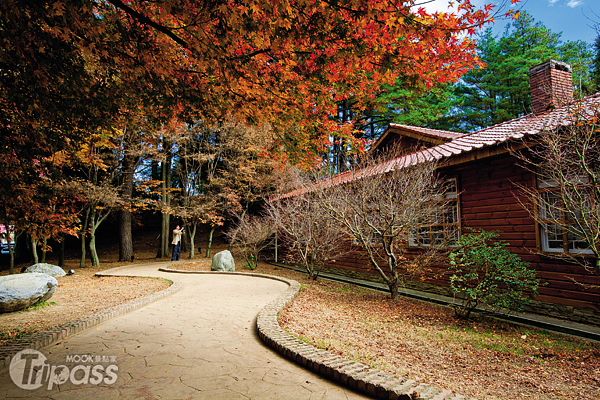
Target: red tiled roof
(518, 128)
(515, 129)
(432, 133)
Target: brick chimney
(551, 86)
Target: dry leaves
(486, 359)
(77, 296)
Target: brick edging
(354, 375)
(45, 338)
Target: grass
(18, 333)
(484, 358)
(41, 304)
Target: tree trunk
(166, 198)
(210, 238)
(83, 251)
(192, 233)
(128, 166)
(93, 252)
(164, 236)
(393, 286)
(235, 233)
(82, 236)
(61, 252)
(44, 251)
(34, 253)
(93, 226)
(125, 236)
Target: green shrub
(485, 273)
(250, 263)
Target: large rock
(47, 269)
(24, 290)
(223, 261)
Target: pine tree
(596, 63)
(499, 91)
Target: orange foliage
(273, 60)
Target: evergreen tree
(499, 91)
(596, 64)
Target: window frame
(545, 185)
(433, 230)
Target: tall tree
(499, 90)
(564, 202)
(596, 65)
(221, 172)
(89, 175)
(378, 205)
(130, 158)
(287, 63)
(307, 232)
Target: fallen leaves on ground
(484, 358)
(75, 297)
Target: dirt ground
(83, 294)
(484, 358)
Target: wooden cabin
(486, 178)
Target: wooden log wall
(489, 195)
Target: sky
(574, 18)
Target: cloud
(552, 2)
(574, 3)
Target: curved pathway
(198, 343)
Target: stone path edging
(45, 338)
(349, 373)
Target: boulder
(24, 290)
(223, 261)
(47, 269)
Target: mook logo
(29, 369)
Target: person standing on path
(176, 243)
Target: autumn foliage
(71, 68)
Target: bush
(250, 236)
(485, 273)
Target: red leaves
(268, 59)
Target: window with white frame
(561, 228)
(444, 229)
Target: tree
(307, 231)
(380, 204)
(414, 104)
(100, 200)
(499, 90)
(130, 157)
(166, 158)
(89, 176)
(564, 201)
(261, 61)
(12, 236)
(220, 171)
(251, 235)
(596, 65)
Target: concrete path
(199, 343)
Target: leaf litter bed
(484, 358)
(75, 297)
